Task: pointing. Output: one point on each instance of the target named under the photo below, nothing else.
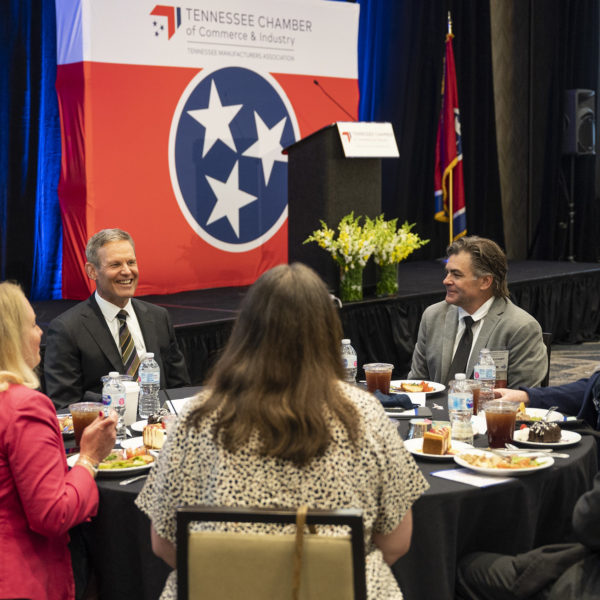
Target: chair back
(547, 337)
(240, 565)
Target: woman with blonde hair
(40, 499)
(276, 427)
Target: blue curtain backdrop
(30, 230)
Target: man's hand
(512, 395)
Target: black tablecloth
(450, 520)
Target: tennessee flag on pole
(448, 178)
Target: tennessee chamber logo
(173, 16)
(225, 161)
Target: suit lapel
(450, 327)
(490, 322)
(146, 323)
(94, 322)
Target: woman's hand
(98, 438)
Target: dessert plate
(415, 446)
(135, 442)
(139, 425)
(567, 438)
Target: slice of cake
(542, 431)
(436, 441)
(154, 436)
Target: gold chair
(234, 565)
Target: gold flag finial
(449, 23)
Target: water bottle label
(350, 363)
(106, 400)
(460, 401)
(484, 372)
(149, 377)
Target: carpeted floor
(571, 362)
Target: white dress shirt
(110, 312)
(477, 317)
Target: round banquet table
(450, 520)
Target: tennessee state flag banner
(448, 177)
(173, 119)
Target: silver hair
(104, 237)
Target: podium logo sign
(226, 167)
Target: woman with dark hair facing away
(40, 499)
(277, 427)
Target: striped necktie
(128, 351)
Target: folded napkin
(395, 400)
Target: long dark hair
(279, 373)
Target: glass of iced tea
(83, 414)
(475, 388)
(500, 416)
(378, 376)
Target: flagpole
(451, 182)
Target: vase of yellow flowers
(351, 249)
(391, 247)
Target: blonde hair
(13, 367)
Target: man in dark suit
(567, 571)
(580, 398)
(85, 342)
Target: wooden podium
(325, 185)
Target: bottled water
(485, 373)
(349, 360)
(149, 373)
(460, 409)
(113, 396)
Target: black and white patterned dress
(379, 476)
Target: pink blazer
(40, 500)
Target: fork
(132, 479)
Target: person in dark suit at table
(476, 314)
(580, 398)
(40, 498)
(110, 330)
(569, 571)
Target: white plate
(547, 461)
(415, 446)
(567, 438)
(71, 460)
(139, 425)
(396, 383)
(541, 412)
(135, 442)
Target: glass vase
(387, 283)
(351, 283)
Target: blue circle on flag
(227, 169)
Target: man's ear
(90, 269)
(486, 282)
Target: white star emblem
(229, 199)
(216, 119)
(267, 147)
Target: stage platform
(563, 296)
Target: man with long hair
(477, 313)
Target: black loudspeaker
(579, 130)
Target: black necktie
(461, 356)
(128, 351)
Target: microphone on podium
(316, 82)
